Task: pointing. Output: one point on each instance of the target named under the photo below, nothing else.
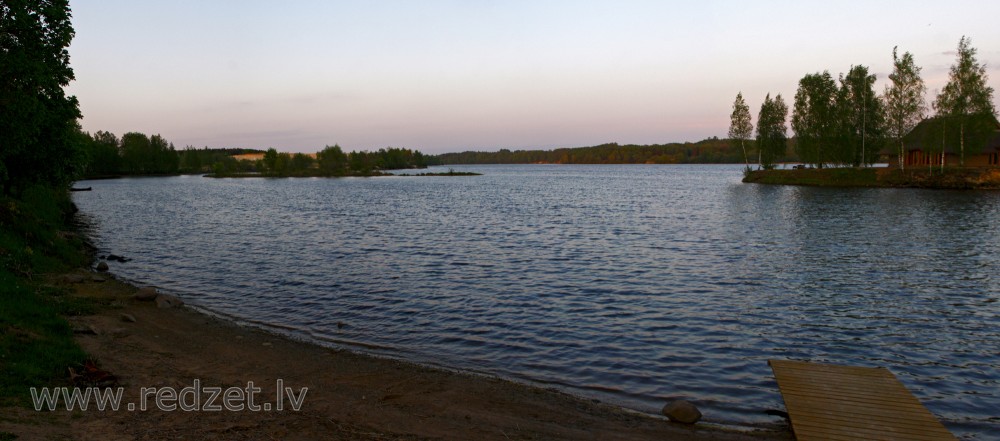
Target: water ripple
(632, 284)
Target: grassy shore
(951, 178)
(36, 342)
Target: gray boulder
(102, 266)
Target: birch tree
(861, 119)
(814, 118)
(904, 101)
(966, 98)
(740, 127)
(772, 138)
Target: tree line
(333, 161)
(844, 122)
(708, 151)
(104, 154)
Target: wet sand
(350, 396)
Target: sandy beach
(350, 396)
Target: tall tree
(137, 153)
(861, 119)
(740, 127)
(772, 140)
(39, 134)
(904, 100)
(103, 156)
(271, 159)
(190, 160)
(967, 99)
(332, 160)
(814, 118)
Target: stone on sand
(168, 301)
(146, 293)
(682, 411)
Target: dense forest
(708, 151)
(135, 153)
(104, 155)
(332, 161)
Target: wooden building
(924, 144)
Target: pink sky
(450, 76)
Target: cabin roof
(928, 134)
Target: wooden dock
(830, 402)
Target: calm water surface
(631, 284)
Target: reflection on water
(632, 284)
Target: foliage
(842, 124)
(301, 161)
(138, 154)
(814, 118)
(36, 345)
(332, 160)
(967, 99)
(904, 100)
(102, 155)
(740, 127)
(772, 141)
(38, 128)
(270, 159)
(861, 119)
(142, 155)
(708, 151)
(191, 160)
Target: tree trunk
(961, 143)
(746, 158)
(902, 151)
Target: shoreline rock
(145, 294)
(682, 411)
(164, 301)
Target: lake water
(630, 284)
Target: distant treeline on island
(105, 155)
(709, 151)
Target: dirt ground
(350, 396)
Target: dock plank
(832, 402)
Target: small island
(955, 178)
(450, 172)
(843, 127)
